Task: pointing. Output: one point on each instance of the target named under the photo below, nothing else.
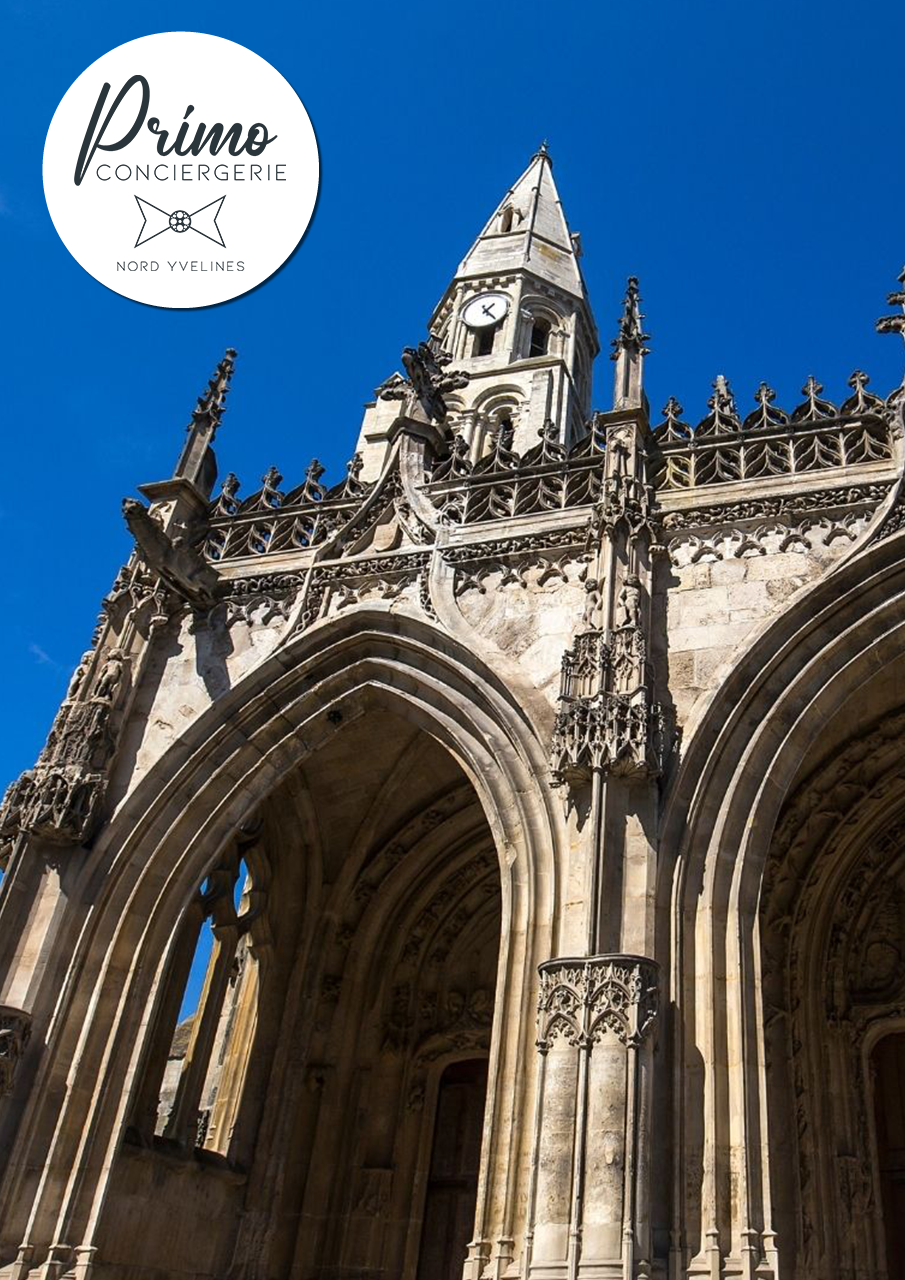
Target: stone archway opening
(337, 1123)
(832, 929)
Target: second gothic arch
(819, 675)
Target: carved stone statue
(592, 602)
(78, 676)
(628, 605)
(110, 678)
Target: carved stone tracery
(583, 1000)
(58, 799)
(606, 720)
(816, 436)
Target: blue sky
(745, 160)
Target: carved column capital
(585, 1000)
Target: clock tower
(517, 319)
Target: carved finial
(312, 489)
(722, 397)
(552, 448)
(861, 400)
(270, 493)
(211, 404)
(352, 486)
(629, 350)
(197, 462)
(227, 504)
(631, 333)
(723, 416)
(766, 415)
(812, 407)
(456, 464)
(672, 427)
(543, 153)
(895, 324)
(504, 458)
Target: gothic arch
(536, 307)
(500, 396)
(800, 687)
(167, 832)
(831, 925)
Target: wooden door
(889, 1100)
(453, 1179)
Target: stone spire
(629, 351)
(528, 231)
(197, 462)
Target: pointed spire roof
(528, 230)
(196, 462)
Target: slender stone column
(589, 1205)
(182, 1123)
(147, 1100)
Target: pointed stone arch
(165, 835)
(802, 686)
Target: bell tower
(516, 317)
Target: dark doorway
(889, 1102)
(452, 1186)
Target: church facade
(537, 792)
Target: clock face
(487, 309)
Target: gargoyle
(178, 564)
(428, 378)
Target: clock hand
(488, 309)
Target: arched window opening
(506, 219)
(192, 1082)
(484, 340)
(540, 337)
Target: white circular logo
(181, 169)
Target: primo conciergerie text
(212, 138)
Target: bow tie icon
(157, 221)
